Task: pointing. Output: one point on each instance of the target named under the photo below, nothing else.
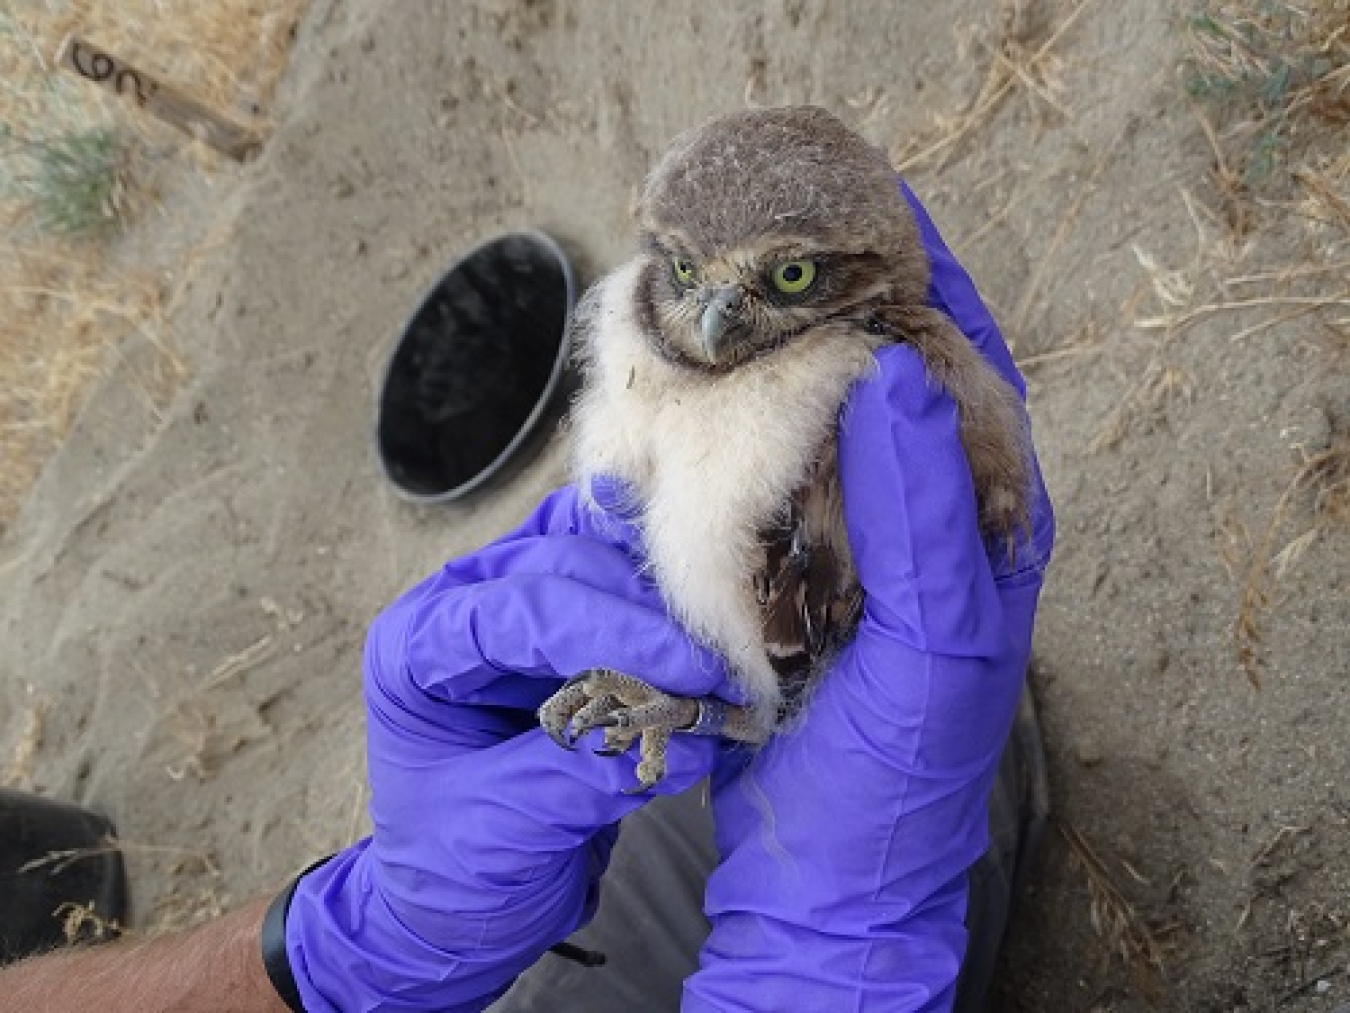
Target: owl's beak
(721, 323)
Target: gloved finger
(550, 626)
(560, 606)
(951, 290)
(939, 716)
(910, 510)
(608, 512)
(583, 557)
(509, 821)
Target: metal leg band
(712, 717)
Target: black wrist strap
(273, 939)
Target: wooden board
(157, 98)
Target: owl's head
(762, 224)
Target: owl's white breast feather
(713, 458)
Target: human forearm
(217, 966)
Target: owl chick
(777, 254)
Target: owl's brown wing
(808, 592)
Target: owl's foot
(628, 710)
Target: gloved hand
(489, 840)
(845, 842)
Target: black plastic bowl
(476, 368)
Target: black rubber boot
(58, 867)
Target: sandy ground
(186, 593)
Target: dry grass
(76, 165)
(1271, 89)
(22, 761)
(1116, 921)
(1260, 562)
(57, 861)
(1280, 74)
(182, 906)
(1271, 86)
(80, 923)
(1016, 61)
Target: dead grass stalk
(56, 861)
(81, 923)
(1326, 475)
(1117, 921)
(19, 771)
(1013, 63)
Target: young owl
(777, 254)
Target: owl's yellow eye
(794, 277)
(685, 272)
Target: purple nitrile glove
(845, 842)
(489, 840)
(850, 894)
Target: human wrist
(213, 966)
(272, 943)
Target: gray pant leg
(1018, 808)
(650, 925)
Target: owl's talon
(646, 784)
(617, 741)
(579, 729)
(592, 715)
(556, 730)
(558, 711)
(563, 738)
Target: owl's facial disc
(717, 310)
